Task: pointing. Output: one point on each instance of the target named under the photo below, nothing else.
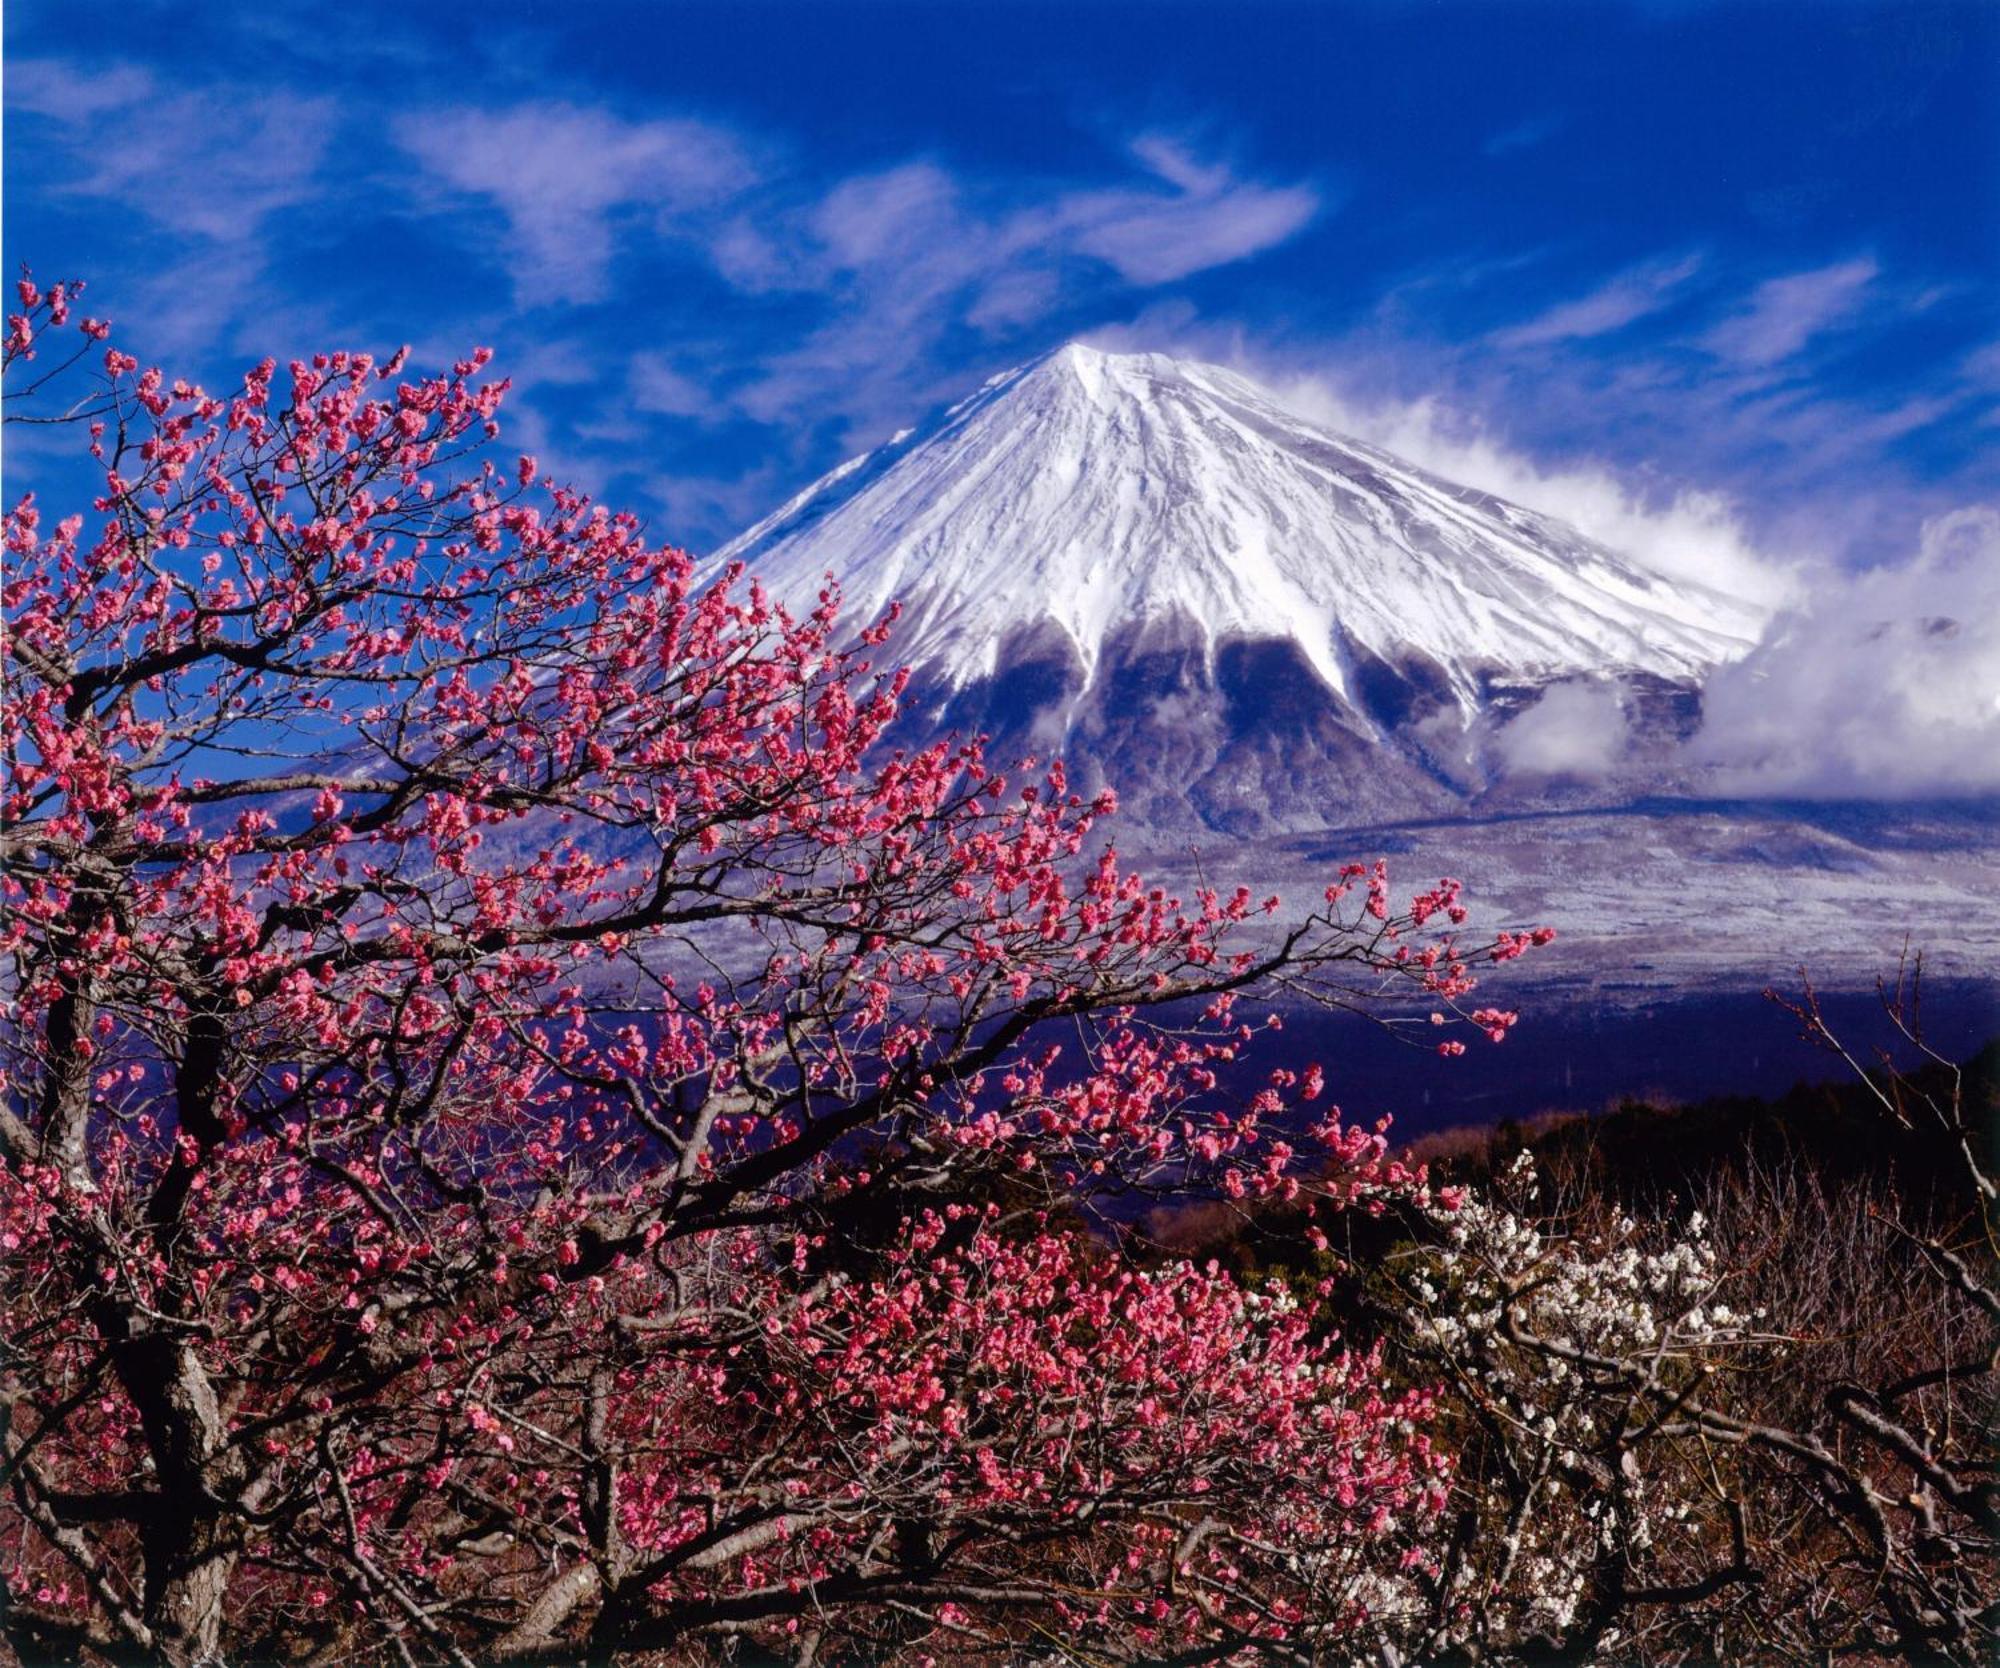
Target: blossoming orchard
(536, 1131)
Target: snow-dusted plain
(1662, 898)
(1287, 649)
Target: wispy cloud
(73, 94)
(1813, 463)
(903, 256)
(834, 304)
(1525, 135)
(1611, 306)
(1784, 314)
(1207, 217)
(655, 384)
(206, 173)
(1982, 366)
(564, 175)
(214, 162)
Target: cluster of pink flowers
(467, 966)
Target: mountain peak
(1094, 492)
(1084, 361)
(1108, 376)
(1076, 356)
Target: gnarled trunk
(189, 1539)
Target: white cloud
(1574, 729)
(656, 385)
(1784, 314)
(1886, 684)
(874, 218)
(1012, 299)
(53, 87)
(1613, 305)
(1981, 367)
(563, 174)
(213, 161)
(1208, 219)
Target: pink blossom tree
(529, 1130)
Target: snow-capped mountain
(1229, 610)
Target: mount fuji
(1245, 621)
(1292, 649)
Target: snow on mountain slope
(1097, 493)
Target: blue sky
(1696, 265)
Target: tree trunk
(190, 1540)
